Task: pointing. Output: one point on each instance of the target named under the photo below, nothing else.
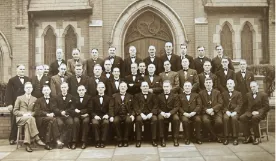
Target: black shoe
(248, 139)
(126, 144)
(256, 141)
(68, 146)
(219, 140)
(187, 142)
(163, 143)
(74, 146)
(226, 142)
(48, 147)
(40, 143)
(235, 142)
(120, 144)
(97, 144)
(154, 143)
(198, 141)
(138, 144)
(12, 142)
(28, 148)
(102, 145)
(175, 142)
(83, 146)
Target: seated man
(189, 112)
(99, 115)
(64, 115)
(232, 103)
(168, 104)
(83, 106)
(258, 106)
(120, 110)
(24, 116)
(145, 106)
(47, 123)
(211, 109)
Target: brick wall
(5, 18)
(271, 28)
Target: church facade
(32, 30)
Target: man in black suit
(99, 115)
(116, 61)
(232, 103)
(190, 112)
(15, 88)
(56, 80)
(243, 79)
(46, 70)
(211, 109)
(183, 55)
(216, 62)
(172, 58)
(224, 74)
(121, 110)
(39, 80)
(55, 65)
(142, 69)
(74, 81)
(63, 113)
(199, 61)
(207, 74)
(107, 73)
(145, 107)
(169, 105)
(115, 82)
(83, 107)
(132, 58)
(153, 59)
(258, 107)
(134, 80)
(46, 120)
(90, 63)
(154, 81)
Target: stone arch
(5, 59)
(230, 48)
(251, 56)
(42, 61)
(135, 9)
(67, 54)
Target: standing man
(188, 74)
(211, 109)
(258, 106)
(132, 58)
(99, 115)
(39, 81)
(115, 82)
(15, 88)
(71, 63)
(169, 105)
(224, 74)
(90, 63)
(134, 80)
(107, 73)
(154, 81)
(199, 61)
(153, 59)
(216, 62)
(46, 70)
(142, 69)
(171, 76)
(24, 112)
(184, 55)
(145, 107)
(172, 58)
(121, 110)
(190, 112)
(207, 74)
(58, 79)
(116, 61)
(243, 79)
(232, 103)
(55, 65)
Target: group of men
(59, 104)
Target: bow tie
(97, 78)
(111, 57)
(206, 73)
(150, 75)
(47, 98)
(117, 80)
(78, 76)
(81, 97)
(255, 93)
(133, 57)
(166, 94)
(152, 57)
(185, 70)
(188, 94)
(167, 72)
(77, 60)
(122, 94)
(21, 77)
(243, 72)
(142, 73)
(134, 75)
(225, 69)
(101, 96)
(61, 76)
(107, 72)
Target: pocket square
(70, 100)
(47, 82)
(157, 82)
(191, 75)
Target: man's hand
(63, 113)
(149, 115)
(168, 115)
(97, 117)
(255, 113)
(131, 117)
(10, 107)
(50, 114)
(186, 114)
(144, 117)
(234, 113)
(228, 113)
(77, 110)
(27, 114)
(111, 119)
(209, 111)
(150, 90)
(105, 117)
(163, 114)
(212, 113)
(192, 114)
(85, 115)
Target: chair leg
(17, 139)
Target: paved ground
(207, 151)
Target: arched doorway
(147, 29)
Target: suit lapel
(169, 98)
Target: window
(226, 40)
(247, 44)
(70, 42)
(49, 46)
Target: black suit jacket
(260, 104)
(90, 66)
(199, 63)
(156, 84)
(119, 63)
(14, 89)
(232, 103)
(37, 85)
(146, 106)
(191, 61)
(157, 62)
(202, 78)
(116, 103)
(215, 102)
(104, 74)
(113, 86)
(191, 77)
(98, 108)
(93, 86)
(193, 105)
(66, 105)
(216, 64)
(73, 84)
(133, 86)
(175, 62)
(85, 106)
(171, 105)
(243, 84)
(128, 62)
(41, 109)
(222, 79)
(53, 70)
